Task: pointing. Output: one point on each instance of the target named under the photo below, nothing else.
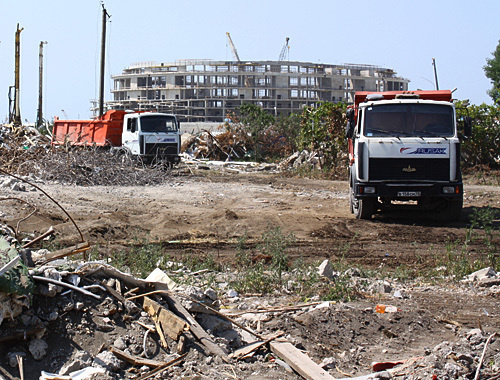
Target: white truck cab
(152, 135)
(404, 150)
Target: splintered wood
(170, 323)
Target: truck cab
(404, 149)
(151, 135)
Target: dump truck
(404, 150)
(152, 136)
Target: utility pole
(103, 58)
(435, 73)
(15, 114)
(39, 117)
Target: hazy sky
(400, 34)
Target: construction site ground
(207, 212)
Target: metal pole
(103, 56)
(435, 73)
(16, 120)
(39, 117)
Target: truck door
(130, 137)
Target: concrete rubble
(139, 343)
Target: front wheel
(362, 208)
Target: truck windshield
(158, 123)
(409, 120)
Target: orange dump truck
(150, 135)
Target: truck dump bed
(443, 95)
(105, 131)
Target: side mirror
(467, 126)
(349, 129)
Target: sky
(403, 35)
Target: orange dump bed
(438, 95)
(104, 131)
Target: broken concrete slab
(482, 274)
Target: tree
(492, 71)
(255, 121)
(323, 131)
(483, 147)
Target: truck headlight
(368, 190)
(451, 190)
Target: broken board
(299, 361)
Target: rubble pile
(89, 320)
(20, 145)
(26, 151)
(228, 148)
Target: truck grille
(161, 149)
(408, 169)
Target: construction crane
(285, 52)
(233, 48)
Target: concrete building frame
(207, 90)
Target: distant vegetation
(321, 129)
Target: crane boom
(284, 51)
(233, 48)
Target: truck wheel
(453, 210)
(362, 208)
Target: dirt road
(208, 213)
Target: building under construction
(207, 90)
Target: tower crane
(285, 51)
(233, 48)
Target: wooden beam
(195, 328)
(135, 360)
(245, 351)
(299, 361)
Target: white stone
(109, 361)
(325, 269)
(38, 348)
(482, 274)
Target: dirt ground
(208, 212)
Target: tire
(453, 210)
(362, 208)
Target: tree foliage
(483, 147)
(260, 134)
(322, 130)
(492, 71)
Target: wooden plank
(195, 328)
(299, 361)
(242, 352)
(170, 323)
(78, 248)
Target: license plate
(409, 193)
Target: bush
(483, 147)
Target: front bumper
(409, 191)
